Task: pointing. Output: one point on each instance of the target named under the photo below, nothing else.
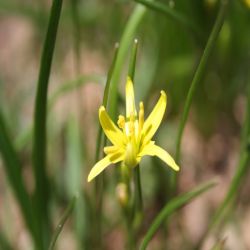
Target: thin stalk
(242, 168)
(138, 204)
(101, 142)
(77, 33)
(61, 223)
(171, 207)
(175, 15)
(198, 77)
(4, 243)
(13, 167)
(127, 37)
(40, 117)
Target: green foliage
(198, 52)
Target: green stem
(13, 170)
(100, 143)
(242, 169)
(198, 77)
(40, 116)
(170, 208)
(138, 204)
(127, 37)
(178, 17)
(61, 223)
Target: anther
(121, 121)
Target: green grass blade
(75, 173)
(171, 13)
(63, 89)
(138, 205)
(105, 101)
(12, 167)
(4, 243)
(220, 245)
(126, 40)
(132, 62)
(40, 117)
(100, 143)
(61, 223)
(171, 207)
(243, 166)
(70, 86)
(77, 33)
(198, 77)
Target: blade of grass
(63, 89)
(100, 143)
(70, 86)
(13, 168)
(138, 204)
(171, 13)
(39, 139)
(171, 207)
(77, 33)
(241, 172)
(127, 37)
(4, 243)
(61, 223)
(74, 177)
(197, 79)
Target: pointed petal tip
(89, 178)
(163, 93)
(177, 168)
(102, 108)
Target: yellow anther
(141, 116)
(132, 124)
(110, 149)
(121, 121)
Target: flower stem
(101, 142)
(197, 79)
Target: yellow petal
(155, 150)
(154, 119)
(113, 133)
(130, 98)
(98, 168)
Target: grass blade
(4, 243)
(61, 223)
(170, 12)
(198, 77)
(13, 168)
(171, 207)
(127, 37)
(70, 86)
(39, 139)
(74, 176)
(137, 179)
(100, 143)
(243, 167)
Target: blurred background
(168, 55)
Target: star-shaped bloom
(132, 138)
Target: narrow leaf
(170, 12)
(197, 79)
(62, 222)
(171, 207)
(40, 117)
(12, 167)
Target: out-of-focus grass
(167, 58)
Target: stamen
(110, 149)
(141, 116)
(121, 122)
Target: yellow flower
(132, 138)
